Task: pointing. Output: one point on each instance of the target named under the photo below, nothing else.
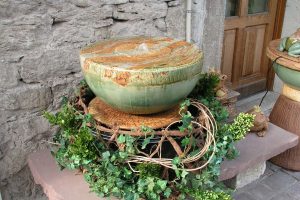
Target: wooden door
(249, 26)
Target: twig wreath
(175, 162)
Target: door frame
(281, 6)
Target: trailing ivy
(105, 169)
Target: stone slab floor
(276, 183)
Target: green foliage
(241, 125)
(106, 170)
(149, 169)
(206, 85)
(210, 195)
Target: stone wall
(39, 63)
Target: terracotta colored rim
(109, 116)
(282, 57)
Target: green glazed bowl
(141, 75)
(288, 76)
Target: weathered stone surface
(63, 87)
(26, 97)
(10, 189)
(248, 176)
(174, 3)
(160, 24)
(8, 76)
(254, 149)
(58, 184)
(131, 28)
(22, 137)
(114, 1)
(147, 10)
(49, 64)
(213, 33)
(175, 21)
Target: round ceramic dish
(141, 75)
(288, 76)
(286, 67)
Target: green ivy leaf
(147, 141)
(121, 139)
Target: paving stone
(294, 174)
(294, 191)
(284, 196)
(261, 192)
(268, 172)
(243, 196)
(279, 181)
(273, 167)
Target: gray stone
(51, 63)
(283, 196)
(175, 20)
(8, 9)
(9, 75)
(80, 3)
(279, 181)
(243, 196)
(174, 3)
(35, 96)
(160, 24)
(134, 11)
(93, 16)
(251, 174)
(63, 87)
(273, 167)
(260, 192)
(131, 28)
(114, 1)
(294, 174)
(198, 21)
(294, 190)
(213, 34)
(24, 136)
(26, 34)
(22, 179)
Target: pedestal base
(109, 116)
(286, 114)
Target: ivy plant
(105, 168)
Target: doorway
(249, 27)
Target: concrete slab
(254, 149)
(251, 174)
(57, 184)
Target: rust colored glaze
(108, 73)
(122, 78)
(142, 53)
(109, 116)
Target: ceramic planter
(141, 75)
(288, 76)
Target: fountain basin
(289, 76)
(286, 67)
(141, 75)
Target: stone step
(68, 185)
(254, 151)
(57, 184)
